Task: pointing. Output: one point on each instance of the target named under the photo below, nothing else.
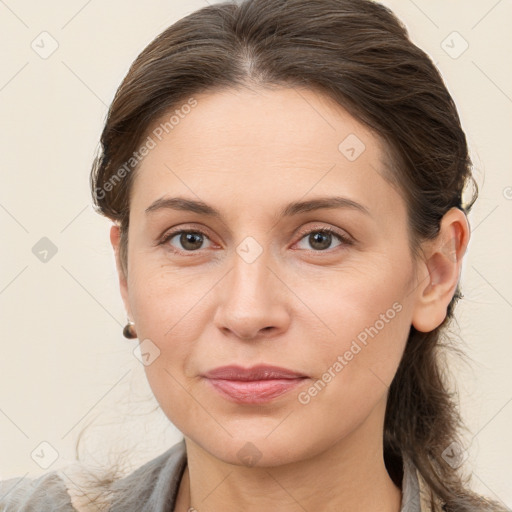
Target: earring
(129, 331)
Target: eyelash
(342, 238)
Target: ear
(439, 271)
(115, 239)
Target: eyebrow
(191, 205)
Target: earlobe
(115, 236)
(442, 265)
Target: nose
(252, 303)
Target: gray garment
(156, 482)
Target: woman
(285, 180)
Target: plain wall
(64, 362)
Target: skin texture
(248, 154)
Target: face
(263, 282)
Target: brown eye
(321, 239)
(191, 241)
(188, 241)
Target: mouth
(255, 385)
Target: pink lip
(253, 385)
(259, 372)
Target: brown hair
(359, 54)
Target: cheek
(169, 311)
(366, 317)
(167, 316)
(164, 299)
(354, 370)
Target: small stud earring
(129, 331)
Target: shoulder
(48, 492)
(428, 499)
(469, 500)
(153, 486)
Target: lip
(259, 372)
(255, 385)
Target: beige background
(64, 362)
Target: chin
(258, 446)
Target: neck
(349, 475)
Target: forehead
(268, 123)
(261, 144)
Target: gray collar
(410, 489)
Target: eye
(190, 240)
(321, 239)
